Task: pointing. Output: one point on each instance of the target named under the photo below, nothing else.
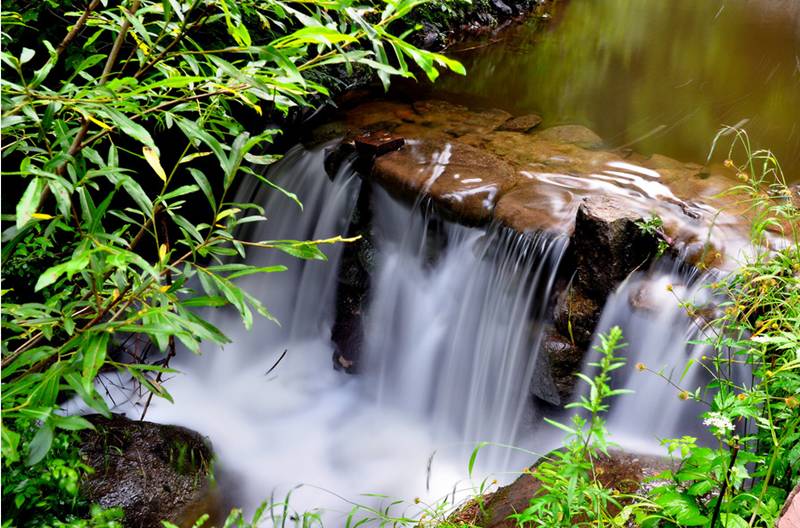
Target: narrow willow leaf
(94, 356)
(152, 158)
(29, 202)
(40, 445)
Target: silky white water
(451, 341)
(453, 325)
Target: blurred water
(449, 355)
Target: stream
(456, 314)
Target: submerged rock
(522, 123)
(574, 134)
(153, 472)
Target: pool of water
(654, 75)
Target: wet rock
(554, 376)
(502, 7)
(464, 181)
(794, 190)
(521, 123)
(153, 472)
(336, 155)
(621, 471)
(354, 278)
(576, 316)
(790, 514)
(574, 134)
(608, 244)
(377, 143)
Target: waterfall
(452, 329)
(454, 341)
(664, 353)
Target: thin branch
(77, 27)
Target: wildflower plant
(744, 479)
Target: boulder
(608, 245)
(153, 472)
(621, 471)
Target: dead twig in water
(276, 363)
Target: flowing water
(657, 75)
(455, 314)
(448, 357)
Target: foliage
(125, 140)
(47, 494)
(653, 227)
(570, 490)
(744, 480)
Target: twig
(77, 27)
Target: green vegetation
(112, 124)
(571, 491)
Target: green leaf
(94, 355)
(71, 423)
(731, 520)
(29, 201)
(40, 445)
(72, 266)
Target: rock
(621, 471)
(790, 514)
(575, 134)
(153, 472)
(576, 316)
(530, 207)
(608, 245)
(554, 376)
(794, 191)
(377, 143)
(336, 155)
(521, 123)
(464, 181)
(352, 288)
(502, 7)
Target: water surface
(656, 75)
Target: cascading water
(453, 342)
(450, 347)
(664, 356)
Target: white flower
(716, 421)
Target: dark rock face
(353, 286)
(608, 245)
(623, 472)
(554, 377)
(153, 472)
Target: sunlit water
(656, 75)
